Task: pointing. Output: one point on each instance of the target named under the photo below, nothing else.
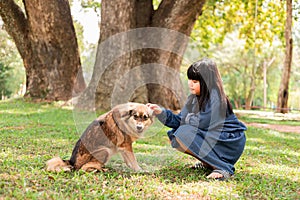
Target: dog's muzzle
(140, 128)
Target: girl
(206, 128)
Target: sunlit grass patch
(30, 134)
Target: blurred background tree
(246, 38)
(44, 35)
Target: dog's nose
(139, 127)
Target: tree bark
(249, 98)
(179, 16)
(140, 52)
(46, 40)
(283, 94)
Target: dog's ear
(124, 110)
(150, 113)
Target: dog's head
(133, 118)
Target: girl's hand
(156, 109)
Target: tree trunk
(250, 95)
(282, 102)
(139, 53)
(46, 40)
(179, 16)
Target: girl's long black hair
(207, 73)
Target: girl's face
(194, 86)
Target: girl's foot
(220, 175)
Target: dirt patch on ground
(280, 128)
(257, 114)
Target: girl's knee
(183, 133)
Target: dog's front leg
(130, 159)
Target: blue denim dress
(213, 135)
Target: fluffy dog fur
(112, 132)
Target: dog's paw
(138, 169)
(142, 171)
(92, 167)
(57, 165)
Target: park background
(246, 39)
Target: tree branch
(15, 23)
(179, 15)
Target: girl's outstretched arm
(167, 117)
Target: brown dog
(112, 132)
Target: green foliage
(88, 58)
(95, 5)
(156, 4)
(255, 24)
(4, 76)
(236, 65)
(242, 36)
(12, 72)
(30, 134)
(87, 50)
(79, 35)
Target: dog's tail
(56, 164)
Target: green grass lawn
(33, 133)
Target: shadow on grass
(178, 174)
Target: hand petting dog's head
(133, 118)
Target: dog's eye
(145, 117)
(135, 116)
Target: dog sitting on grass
(112, 132)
